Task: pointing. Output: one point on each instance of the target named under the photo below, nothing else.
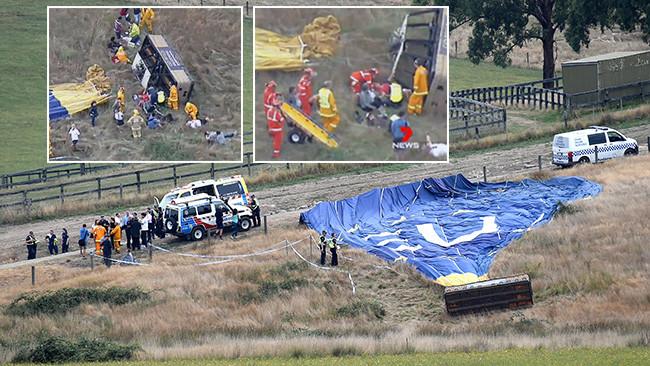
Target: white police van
(195, 217)
(579, 147)
(231, 188)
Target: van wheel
(198, 233)
(583, 160)
(630, 152)
(170, 225)
(245, 224)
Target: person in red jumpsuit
(358, 78)
(275, 123)
(269, 95)
(305, 90)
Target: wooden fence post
(266, 231)
(137, 180)
(99, 188)
(150, 253)
(61, 194)
(121, 192)
(92, 262)
(596, 153)
(539, 162)
(484, 174)
(648, 143)
(248, 164)
(175, 177)
(212, 170)
(33, 276)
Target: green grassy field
(541, 357)
(464, 75)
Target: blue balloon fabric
(57, 110)
(449, 228)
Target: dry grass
(588, 268)
(586, 119)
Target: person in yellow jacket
(420, 88)
(327, 107)
(121, 96)
(116, 235)
(147, 19)
(98, 234)
(172, 101)
(121, 56)
(136, 122)
(191, 110)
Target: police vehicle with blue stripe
(194, 217)
(579, 147)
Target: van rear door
(561, 150)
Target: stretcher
(305, 127)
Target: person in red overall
(358, 78)
(275, 123)
(269, 96)
(305, 90)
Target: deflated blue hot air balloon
(450, 229)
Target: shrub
(54, 349)
(63, 300)
(360, 307)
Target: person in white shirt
(144, 229)
(74, 136)
(194, 123)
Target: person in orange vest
(98, 231)
(172, 101)
(275, 123)
(305, 90)
(420, 88)
(191, 110)
(269, 96)
(116, 235)
(327, 107)
(358, 78)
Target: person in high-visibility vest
(305, 91)
(147, 19)
(331, 242)
(116, 235)
(358, 78)
(121, 97)
(420, 88)
(322, 245)
(99, 231)
(327, 107)
(395, 94)
(121, 56)
(269, 96)
(192, 110)
(275, 123)
(172, 101)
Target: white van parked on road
(579, 146)
(232, 188)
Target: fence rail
(97, 186)
(518, 94)
(468, 115)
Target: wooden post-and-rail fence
(96, 187)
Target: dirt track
(285, 203)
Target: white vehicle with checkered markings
(578, 147)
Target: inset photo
(156, 84)
(351, 84)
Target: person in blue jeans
(235, 224)
(93, 112)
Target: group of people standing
(107, 234)
(370, 96)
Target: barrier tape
(252, 254)
(117, 260)
(270, 249)
(354, 288)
